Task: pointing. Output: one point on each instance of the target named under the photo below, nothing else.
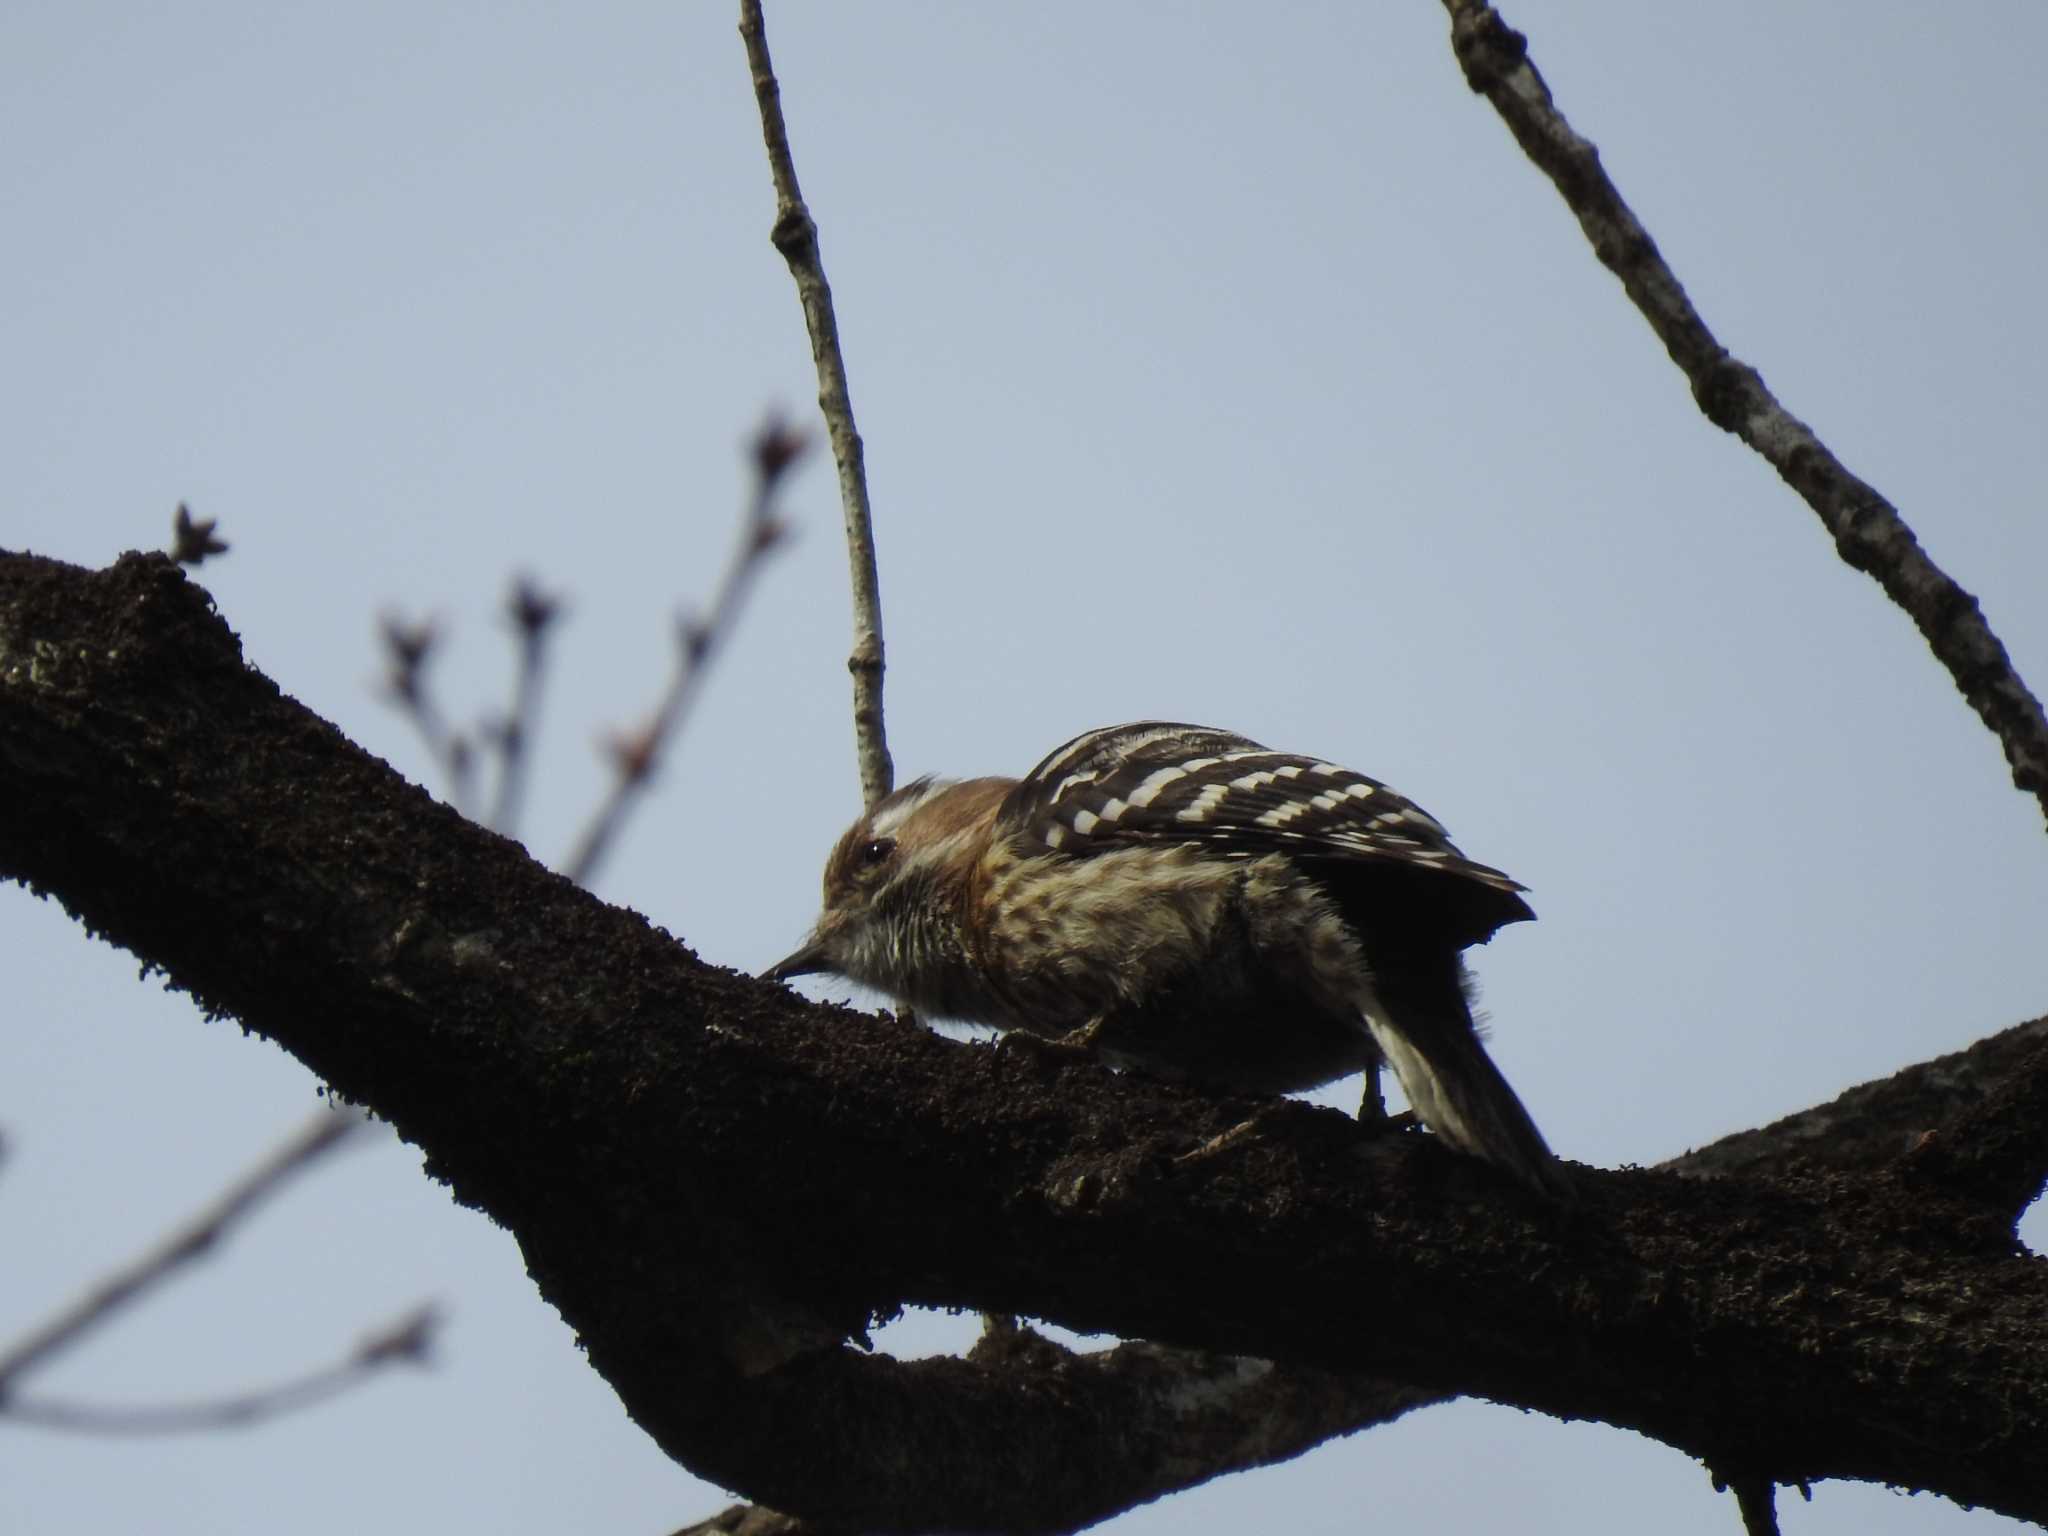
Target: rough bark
(721, 1186)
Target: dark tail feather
(1423, 1026)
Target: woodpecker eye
(876, 852)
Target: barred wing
(1157, 781)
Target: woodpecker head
(896, 885)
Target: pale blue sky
(1215, 362)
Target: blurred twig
(192, 539)
(193, 542)
(408, 1340)
(532, 614)
(321, 1134)
(408, 646)
(795, 234)
(1868, 532)
(637, 753)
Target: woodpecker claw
(1373, 1106)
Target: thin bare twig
(323, 1132)
(532, 614)
(636, 754)
(1868, 532)
(408, 1340)
(407, 647)
(795, 234)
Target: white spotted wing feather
(1160, 781)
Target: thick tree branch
(1178, 1416)
(1997, 1153)
(1876, 1123)
(1868, 532)
(719, 1184)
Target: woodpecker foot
(1373, 1104)
(1384, 1124)
(1372, 1108)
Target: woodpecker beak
(811, 960)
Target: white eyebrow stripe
(885, 824)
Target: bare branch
(325, 1130)
(795, 234)
(532, 614)
(1878, 1122)
(1997, 1153)
(1869, 1126)
(720, 1186)
(406, 1341)
(1179, 1417)
(408, 646)
(1868, 532)
(637, 754)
